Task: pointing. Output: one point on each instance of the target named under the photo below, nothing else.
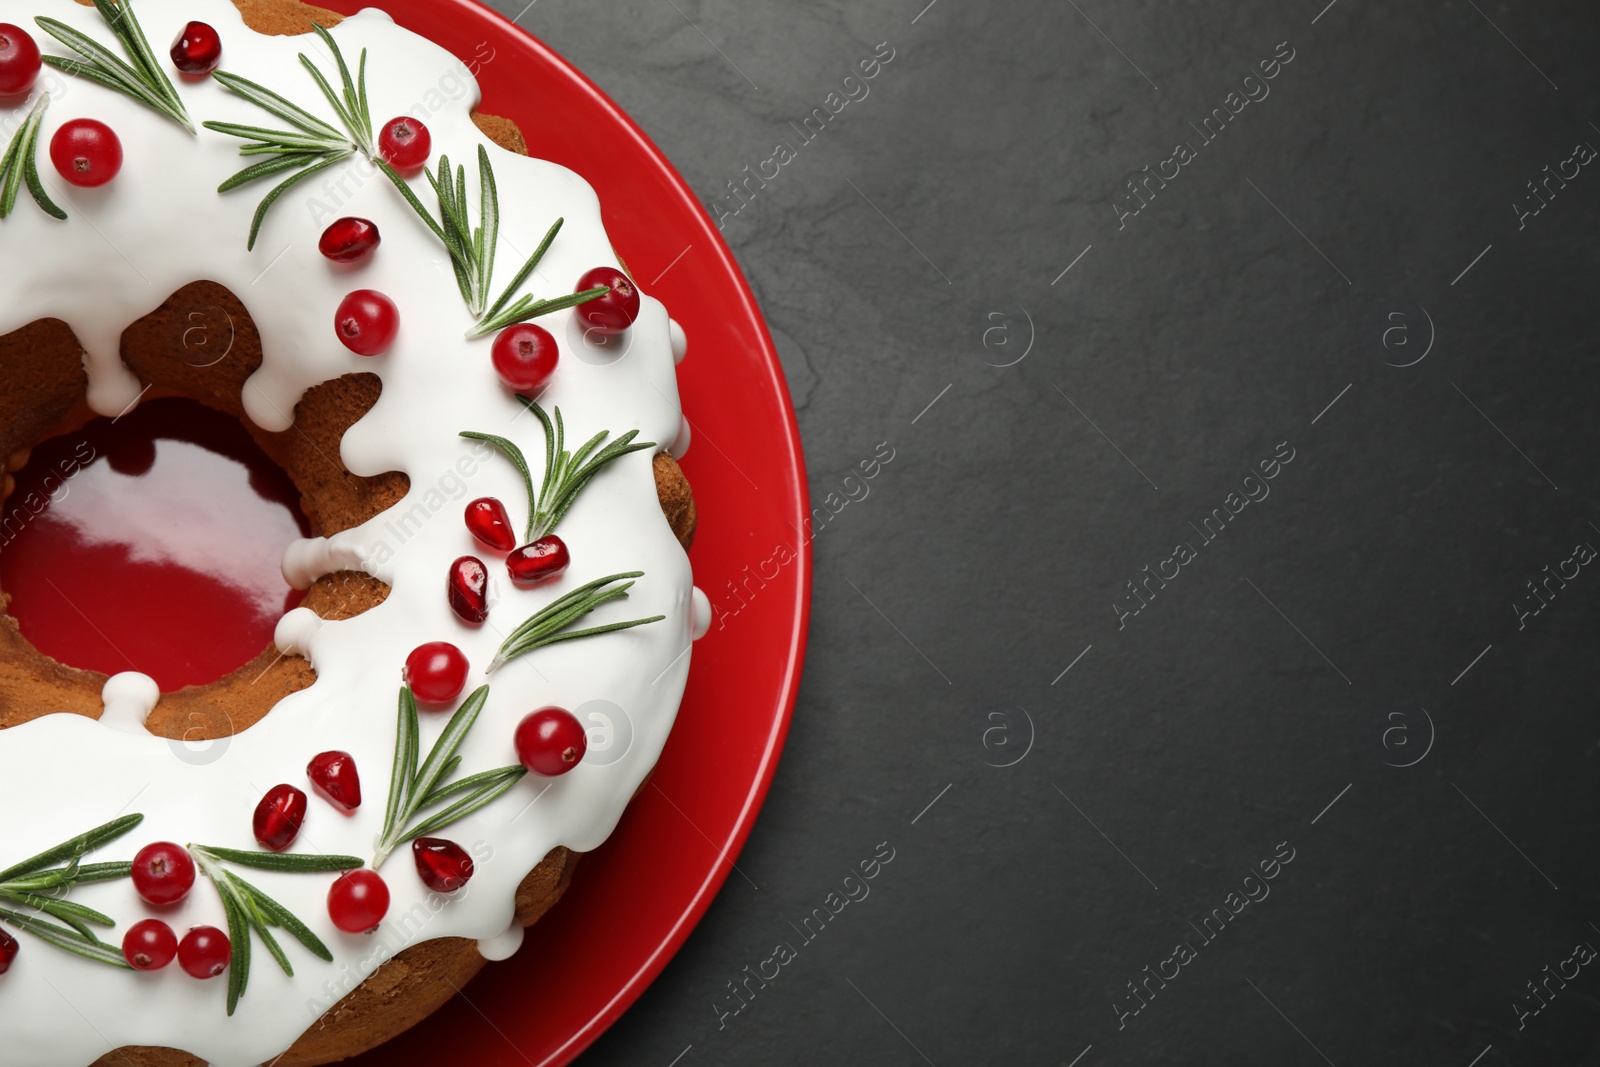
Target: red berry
(367, 322)
(149, 945)
(86, 152)
(490, 524)
(405, 144)
(198, 50)
(551, 741)
(19, 66)
(205, 952)
(543, 561)
(163, 873)
(616, 310)
(358, 901)
(334, 775)
(525, 356)
(279, 817)
(8, 951)
(437, 672)
(349, 240)
(444, 866)
(469, 589)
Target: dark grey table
(1214, 656)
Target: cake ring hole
(200, 344)
(150, 543)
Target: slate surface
(1349, 272)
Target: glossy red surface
(150, 544)
(635, 900)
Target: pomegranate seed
(544, 560)
(436, 672)
(367, 322)
(205, 952)
(349, 240)
(551, 741)
(525, 357)
(8, 951)
(613, 312)
(334, 775)
(358, 901)
(490, 524)
(149, 945)
(279, 816)
(405, 144)
(198, 50)
(469, 590)
(163, 873)
(444, 866)
(19, 66)
(86, 152)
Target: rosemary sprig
(472, 248)
(249, 910)
(565, 473)
(21, 163)
(142, 77)
(550, 624)
(414, 790)
(310, 145)
(36, 884)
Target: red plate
(633, 902)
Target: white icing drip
(310, 558)
(129, 698)
(680, 443)
(701, 619)
(680, 340)
(503, 946)
(159, 226)
(295, 632)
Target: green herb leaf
(282, 861)
(141, 77)
(414, 790)
(546, 626)
(73, 849)
(71, 940)
(565, 475)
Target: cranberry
(544, 560)
(367, 322)
(8, 951)
(444, 866)
(19, 63)
(551, 741)
(198, 50)
(205, 952)
(349, 240)
(279, 817)
(437, 672)
(405, 144)
(334, 775)
(525, 357)
(149, 945)
(358, 901)
(86, 152)
(613, 312)
(490, 524)
(469, 589)
(163, 873)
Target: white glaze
(504, 945)
(680, 341)
(159, 226)
(129, 699)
